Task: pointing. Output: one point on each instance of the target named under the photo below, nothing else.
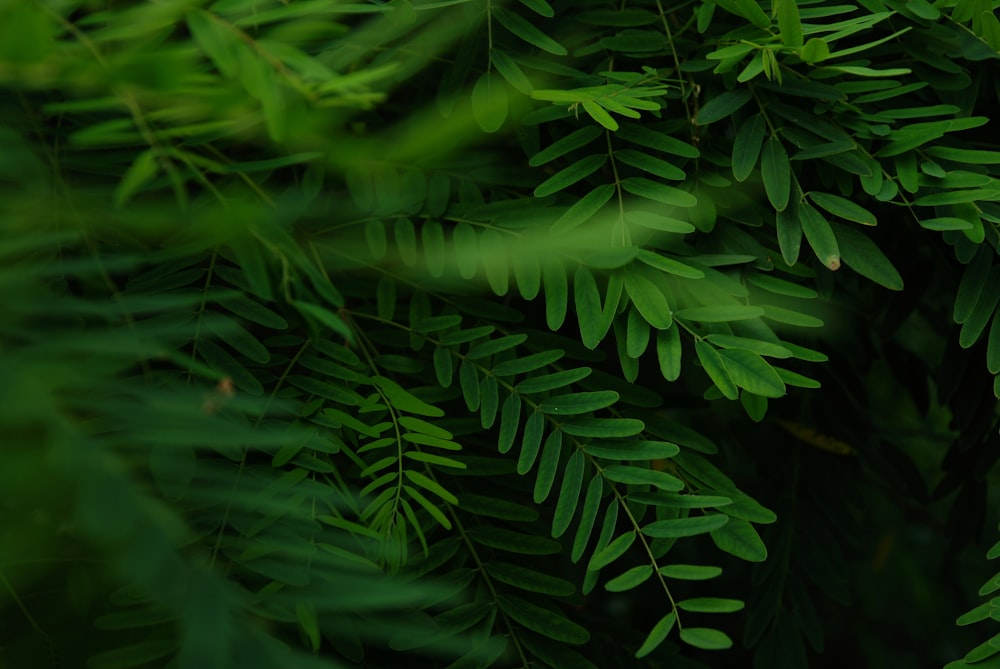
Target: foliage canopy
(469, 334)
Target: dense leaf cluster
(474, 334)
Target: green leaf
(944, 223)
(466, 249)
(704, 637)
(554, 381)
(820, 235)
(747, 145)
(715, 367)
(842, 207)
(528, 363)
(528, 579)
(435, 253)
(527, 32)
(789, 234)
(569, 494)
(489, 102)
(430, 485)
(591, 505)
(690, 572)
(685, 527)
(659, 222)
(632, 450)
(651, 164)
(494, 256)
(403, 400)
(738, 537)
(540, 7)
(965, 156)
(657, 140)
(710, 604)
(649, 300)
(571, 142)
(993, 346)
(751, 10)
(511, 71)
(599, 114)
(468, 379)
(790, 317)
(862, 255)
(637, 334)
(773, 284)
(751, 372)
(720, 314)
(578, 403)
(816, 50)
(494, 346)
(548, 466)
(668, 265)
(657, 192)
(789, 23)
(531, 442)
(556, 288)
(776, 172)
(568, 176)
(489, 398)
(510, 417)
(669, 353)
(583, 209)
(764, 348)
(587, 300)
(604, 428)
(722, 106)
(631, 475)
(970, 288)
(513, 542)
(632, 578)
(543, 621)
(611, 552)
(659, 632)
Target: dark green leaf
(632, 450)
(659, 632)
(554, 381)
(710, 605)
(862, 255)
(529, 579)
(641, 476)
(611, 552)
(531, 442)
(591, 505)
(690, 572)
(705, 638)
(569, 494)
(605, 428)
(685, 527)
(658, 192)
(568, 176)
(578, 403)
(548, 466)
(527, 32)
(739, 538)
(747, 145)
(722, 106)
(820, 235)
(510, 418)
(543, 621)
(777, 173)
(587, 300)
(632, 578)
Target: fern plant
(463, 334)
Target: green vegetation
(473, 334)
